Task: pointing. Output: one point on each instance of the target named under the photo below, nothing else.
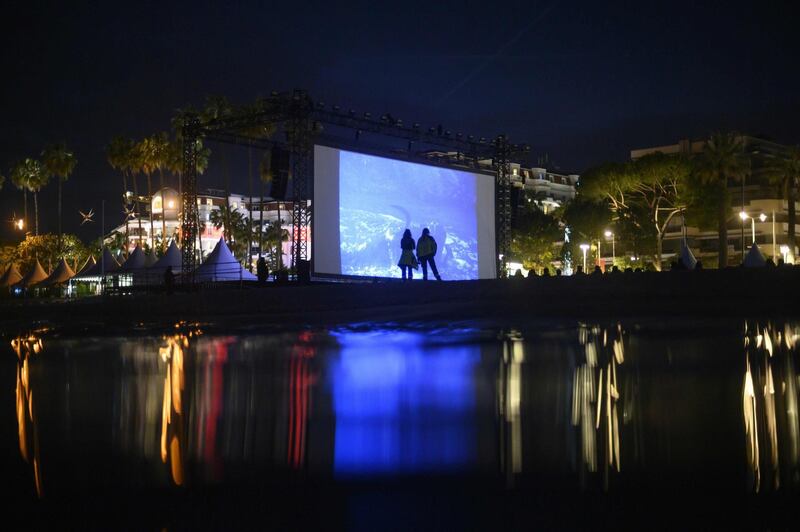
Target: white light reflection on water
(596, 396)
(770, 404)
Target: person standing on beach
(426, 250)
(407, 259)
(261, 270)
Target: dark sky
(581, 82)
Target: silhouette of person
(169, 280)
(546, 272)
(261, 270)
(597, 271)
(407, 258)
(518, 274)
(426, 250)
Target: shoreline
(699, 294)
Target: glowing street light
(19, 224)
(784, 252)
(744, 216)
(584, 248)
(610, 234)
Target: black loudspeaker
(279, 168)
(303, 271)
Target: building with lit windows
(758, 212)
(166, 220)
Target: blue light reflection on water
(401, 407)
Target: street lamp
(610, 234)
(19, 224)
(784, 252)
(584, 248)
(744, 216)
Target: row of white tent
(219, 266)
(753, 259)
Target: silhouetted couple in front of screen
(426, 250)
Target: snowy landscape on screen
(379, 198)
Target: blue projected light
(403, 408)
(379, 198)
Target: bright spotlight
(743, 215)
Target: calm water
(546, 416)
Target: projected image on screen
(379, 198)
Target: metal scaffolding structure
(300, 121)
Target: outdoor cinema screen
(363, 203)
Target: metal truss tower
(301, 119)
(501, 160)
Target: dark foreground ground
(439, 505)
(710, 293)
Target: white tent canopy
(687, 257)
(221, 265)
(149, 259)
(35, 275)
(754, 258)
(110, 266)
(135, 262)
(173, 257)
(61, 274)
(10, 277)
(86, 266)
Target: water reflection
(596, 396)
(26, 347)
(770, 403)
(401, 407)
(595, 406)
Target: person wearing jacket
(407, 259)
(426, 250)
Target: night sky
(582, 83)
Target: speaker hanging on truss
(279, 168)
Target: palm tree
(160, 153)
(30, 175)
(219, 107)
(275, 236)
(265, 173)
(19, 179)
(118, 156)
(260, 131)
(238, 229)
(145, 160)
(723, 158)
(175, 164)
(59, 162)
(784, 172)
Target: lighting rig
(302, 121)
